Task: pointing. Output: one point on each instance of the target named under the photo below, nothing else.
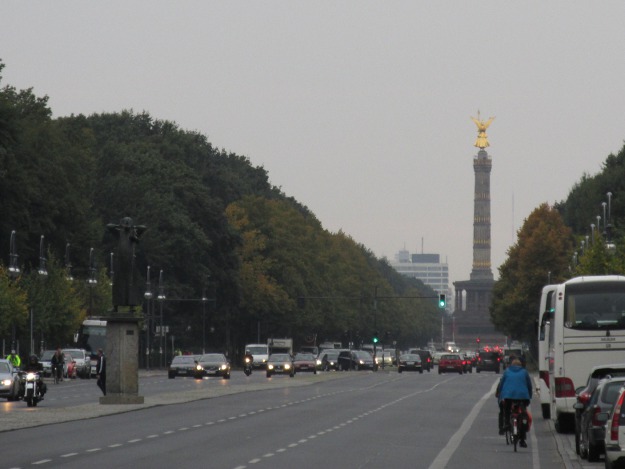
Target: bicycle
(57, 373)
(517, 423)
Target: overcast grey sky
(358, 109)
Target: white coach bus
(587, 328)
(545, 313)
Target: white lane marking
(93, 450)
(440, 462)
(42, 461)
(68, 455)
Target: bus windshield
(595, 306)
(92, 336)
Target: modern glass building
(426, 267)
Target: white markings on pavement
(452, 445)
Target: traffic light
(376, 337)
(442, 301)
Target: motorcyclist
(248, 356)
(34, 366)
(515, 385)
(15, 359)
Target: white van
(260, 354)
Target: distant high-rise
(473, 297)
(425, 267)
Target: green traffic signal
(376, 339)
(442, 301)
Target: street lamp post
(43, 272)
(204, 300)
(14, 272)
(91, 280)
(160, 298)
(148, 297)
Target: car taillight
(584, 398)
(596, 411)
(564, 387)
(616, 419)
(544, 375)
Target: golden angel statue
(482, 139)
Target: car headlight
(270, 366)
(6, 382)
(224, 367)
(287, 366)
(318, 362)
(199, 368)
(362, 362)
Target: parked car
(584, 393)
(281, 364)
(356, 360)
(330, 359)
(427, 361)
(212, 364)
(614, 441)
(82, 359)
(182, 365)
(303, 362)
(488, 361)
(592, 431)
(46, 362)
(409, 362)
(9, 381)
(451, 362)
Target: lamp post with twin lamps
(160, 298)
(148, 299)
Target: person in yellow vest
(14, 358)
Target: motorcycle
(247, 369)
(32, 388)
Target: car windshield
(75, 353)
(304, 356)
(4, 368)
(450, 357)
(183, 360)
(332, 354)
(410, 357)
(213, 357)
(280, 357)
(258, 350)
(362, 354)
(47, 355)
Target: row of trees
(561, 241)
(216, 228)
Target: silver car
(9, 381)
(82, 359)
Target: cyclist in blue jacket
(515, 384)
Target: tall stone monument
(473, 296)
(122, 326)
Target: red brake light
(616, 418)
(564, 387)
(584, 398)
(596, 411)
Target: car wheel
(477, 370)
(171, 375)
(592, 453)
(268, 375)
(291, 375)
(399, 370)
(315, 372)
(227, 376)
(421, 371)
(440, 372)
(547, 415)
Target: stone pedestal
(122, 361)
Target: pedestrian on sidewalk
(100, 372)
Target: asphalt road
(331, 420)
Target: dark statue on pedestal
(125, 274)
